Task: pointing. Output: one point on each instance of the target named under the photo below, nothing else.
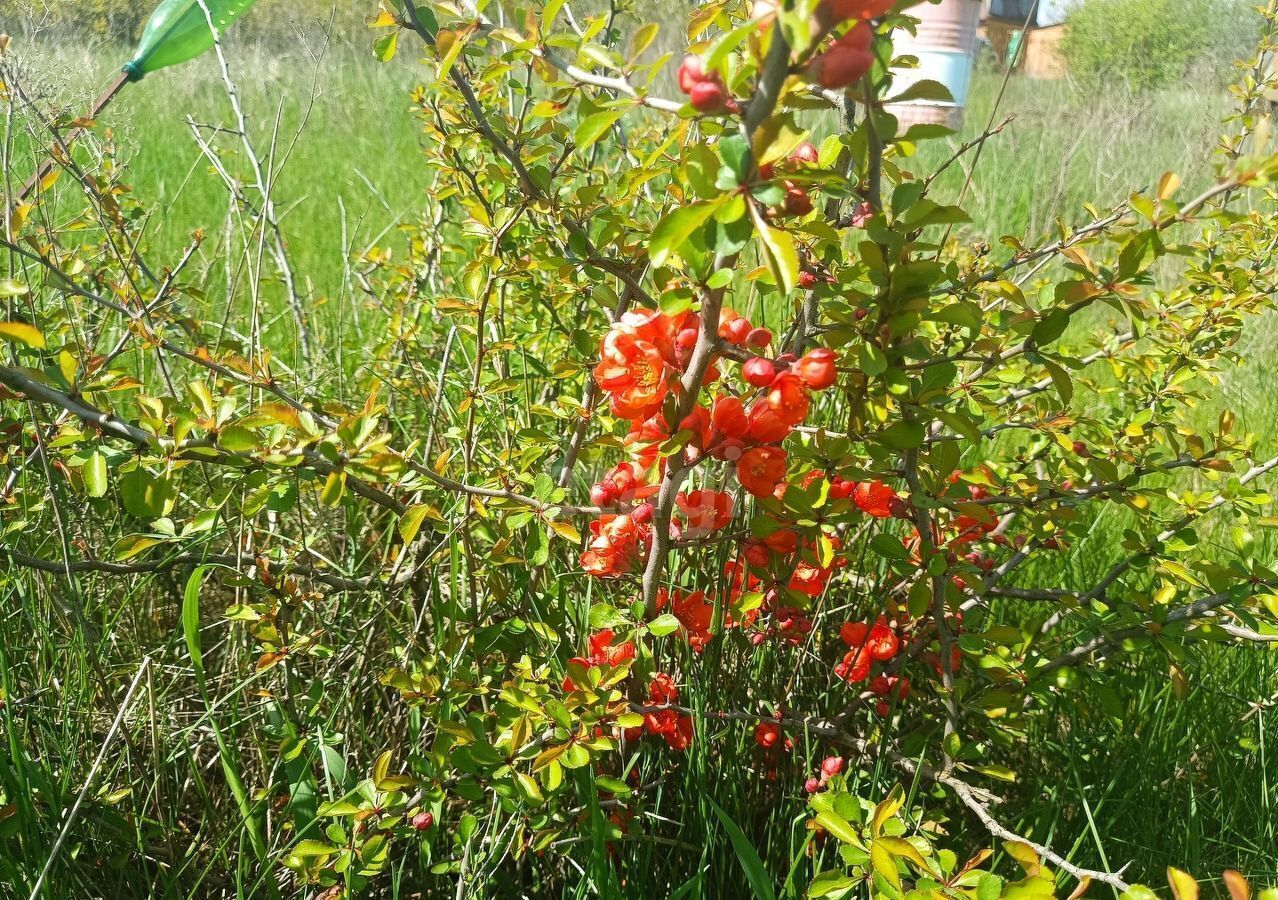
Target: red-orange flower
(855, 666)
(615, 547)
(694, 612)
(864, 10)
(698, 422)
(817, 368)
(624, 484)
(705, 510)
(874, 498)
(645, 437)
(662, 689)
(810, 579)
(633, 372)
(761, 469)
(729, 418)
(854, 633)
(767, 734)
(734, 328)
(783, 541)
(603, 651)
(680, 737)
(882, 642)
(766, 427)
(788, 398)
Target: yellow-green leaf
(778, 251)
(1183, 885)
(901, 847)
(411, 521)
(884, 864)
(886, 809)
(22, 333)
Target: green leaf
(830, 884)
(925, 212)
(663, 625)
(775, 138)
(904, 435)
(838, 826)
(612, 785)
(592, 128)
(898, 846)
(338, 808)
(755, 872)
(147, 496)
(191, 620)
(726, 43)
(95, 475)
(990, 887)
(1137, 892)
(735, 153)
(602, 615)
(384, 47)
(1050, 327)
(924, 89)
(1060, 380)
(133, 544)
(675, 228)
(334, 488)
(309, 848)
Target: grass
(1186, 779)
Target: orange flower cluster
(671, 725)
(617, 543)
(885, 686)
(603, 652)
(641, 354)
(749, 437)
(867, 644)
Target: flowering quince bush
(690, 456)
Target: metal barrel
(945, 46)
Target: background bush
(1153, 43)
(122, 20)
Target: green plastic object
(178, 30)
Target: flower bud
(708, 97)
(759, 371)
(804, 153)
(758, 338)
(691, 72)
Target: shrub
(1147, 44)
(679, 478)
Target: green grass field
(1189, 778)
